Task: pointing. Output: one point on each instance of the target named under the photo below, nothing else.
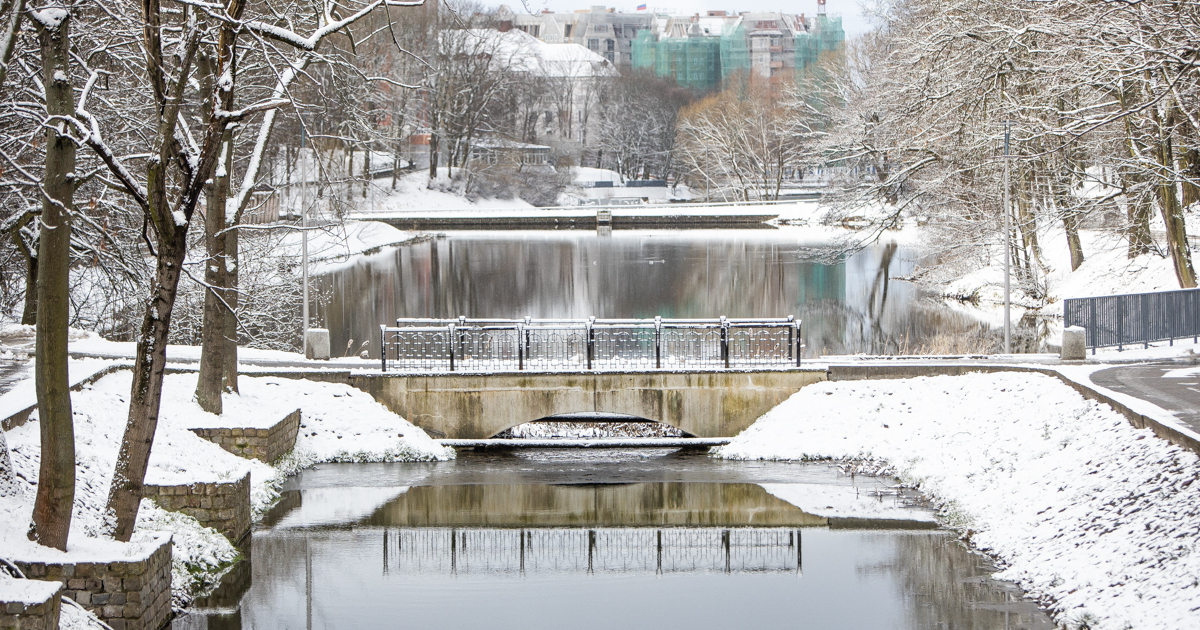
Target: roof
(523, 52)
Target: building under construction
(701, 52)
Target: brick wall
(265, 445)
(223, 506)
(126, 594)
(31, 616)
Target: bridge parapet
(576, 345)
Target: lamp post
(304, 242)
(1007, 253)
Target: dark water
(597, 539)
(849, 302)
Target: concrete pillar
(1074, 343)
(316, 344)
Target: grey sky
(853, 21)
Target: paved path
(1147, 382)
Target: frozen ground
(1094, 517)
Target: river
(849, 299)
(618, 538)
(547, 539)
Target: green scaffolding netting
(825, 36)
(644, 46)
(694, 62)
(703, 62)
(735, 52)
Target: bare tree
(56, 474)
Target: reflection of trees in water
(847, 303)
(947, 586)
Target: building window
(593, 44)
(567, 30)
(609, 57)
(630, 32)
(610, 45)
(599, 28)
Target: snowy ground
(339, 423)
(1094, 517)
(334, 245)
(1106, 270)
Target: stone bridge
(715, 403)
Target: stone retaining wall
(223, 506)
(125, 594)
(31, 616)
(265, 445)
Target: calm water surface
(848, 302)
(596, 539)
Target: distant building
(698, 51)
(702, 51)
(601, 30)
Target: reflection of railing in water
(606, 344)
(602, 550)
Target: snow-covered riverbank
(1094, 517)
(339, 423)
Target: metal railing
(588, 344)
(1117, 320)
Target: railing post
(520, 347)
(799, 344)
(789, 342)
(1093, 329)
(1145, 320)
(658, 342)
(382, 347)
(591, 341)
(450, 344)
(725, 341)
(1120, 324)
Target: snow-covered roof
(522, 52)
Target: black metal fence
(592, 344)
(1117, 320)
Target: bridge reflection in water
(517, 552)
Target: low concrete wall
(41, 615)
(864, 372)
(125, 594)
(21, 416)
(265, 445)
(704, 404)
(224, 507)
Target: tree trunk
(433, 156)
(230, 356)
(366, 170)
(209, 385)
(12, 11)
(56, 475)
(1071, 224)
(146, 393)
(29, 313)
(1139, 211)
(1172, 212)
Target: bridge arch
(555, 425)
(718, 403)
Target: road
(1179, 393)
